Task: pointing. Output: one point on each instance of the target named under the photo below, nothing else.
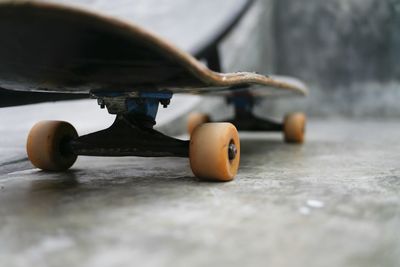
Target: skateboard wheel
(45, 145)
(195, 120)
(294, 128)
(214, 151)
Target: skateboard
(52, 47)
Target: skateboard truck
(132, 132)
(293, 126)
(130, 135)
(213, 150)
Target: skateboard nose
(232, 151)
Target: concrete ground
(332, 202)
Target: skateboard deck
(55, 47)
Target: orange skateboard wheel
(196, 119)
(294, 128)
(214, 151)
(45, 145)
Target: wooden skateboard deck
(53, 47)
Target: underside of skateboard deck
(54, 48)
(130, 71)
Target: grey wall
(347, 51)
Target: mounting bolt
(165, 102)
(101, 103)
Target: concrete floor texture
(333, 201)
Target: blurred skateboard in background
(74, 49)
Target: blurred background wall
(347, 51)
